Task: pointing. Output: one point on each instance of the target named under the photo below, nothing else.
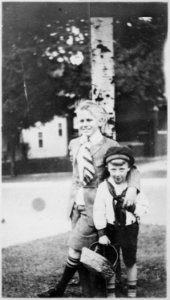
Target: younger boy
(117, 223)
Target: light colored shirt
(103, 211)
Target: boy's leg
(111, 287)
(114, 235)
(71, 267)
(129, 250)
(131, 281)
(118, 271)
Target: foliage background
(46, 62)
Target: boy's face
(118, 169)
(87, 123)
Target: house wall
(47, 140)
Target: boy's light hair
(96, 110)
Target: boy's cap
(119, 152)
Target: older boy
(87, 153)
(116, 222)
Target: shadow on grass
(28, 269)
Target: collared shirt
(103, 211)
(94, 139)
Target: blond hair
(97, 111)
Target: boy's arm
(133, 180)
(99, 214)
(142, 205)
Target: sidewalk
(155, 167)
(149, 167)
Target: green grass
(30, 268)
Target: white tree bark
(102, 66)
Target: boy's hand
(131, 208)
(130, 197)
(104, 240)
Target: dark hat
(119, 152)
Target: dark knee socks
(69, 271)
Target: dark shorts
(125, 238)
(82, 234)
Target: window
(60, 130)
(40, 139)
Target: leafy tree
(46, 62)
(140, 82)
(139, 58)
(46, 68)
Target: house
(46, 140)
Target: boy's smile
(118, 170)
(87, 123)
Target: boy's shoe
(52, 293)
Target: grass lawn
(30, 268)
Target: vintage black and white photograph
(84, 149)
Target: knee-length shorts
(82, 235)
(125, 238)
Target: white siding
(53, 135)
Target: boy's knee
(129, 261)
(74, 253)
